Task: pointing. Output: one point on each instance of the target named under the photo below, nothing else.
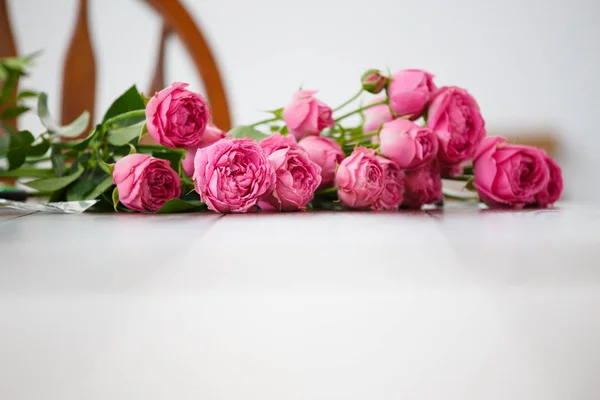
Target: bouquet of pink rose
(401, 145)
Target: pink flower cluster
(412, 137)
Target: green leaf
(72, 130)
(44, 113)
(27, 94)
(8, 86)
(39, 149)
(58, 161)
(247, 131)
(123, 135)
(4, 143)
(108, 168)
(178, 205)
(173, 157)
(277, 113)
(14, 112)
(52, 184)
(20, 143)
(143, 133)
(29, 172)
(129, 101)
(77, 191)
(470, 185)
(100, 188)
(284, 131)
(83, 143)
(145, 99)
(115, 198)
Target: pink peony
(277, 141)
(232, 175)
(423, 186)
(360, 179)
(455, 117)
(410, 90)
(377, 115)
(145, 183)
(211, 135)
(393, 186)
(297, 180)
(176, 117)
(305, 115)
(551, 193)
(326, 153)
(407, 144)
(509, 175)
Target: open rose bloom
(360, 179)
(509, 175)
(231, 176)
(145, 183)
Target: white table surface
(460, 304)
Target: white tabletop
(455, 304)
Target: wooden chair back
(79, 76)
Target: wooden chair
(79, 77)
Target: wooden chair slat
(79, 76)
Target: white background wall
(532, 64)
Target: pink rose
(377, 115)
(277, 141)
(410, 90)
(211, 135)
(407, 144)
(509, 175)
(451, 171)
(455, 117)
(423, 186)
(232, 175)
(297, 179)
(326, 153)
(393, 186)
(305, 115)
(360, 179)
(176, 117)
(145, 183)
(551, 193)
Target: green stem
(327, 191)
(359, 110)
(39, 194)
(264, 121)
(120, 117)
(159, 148)
(344, 104)
(461, 178)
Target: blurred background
(532, 64)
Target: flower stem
(327, 191)
(120, 117)
(359, 110)
(344, 104)
(265, 121)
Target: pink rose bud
(211, 135)
(277, 141)
(423, 186)
(176, 117)
(297, 180)
(410, 90)
(551, 193)
(360, 179)
(326, 153)
(455, 117)
(305, 115)
(232, 175)
(373, 81)
(509, 175)
(407, 144)
(377, 115)
(393, 186)
(145, 183)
